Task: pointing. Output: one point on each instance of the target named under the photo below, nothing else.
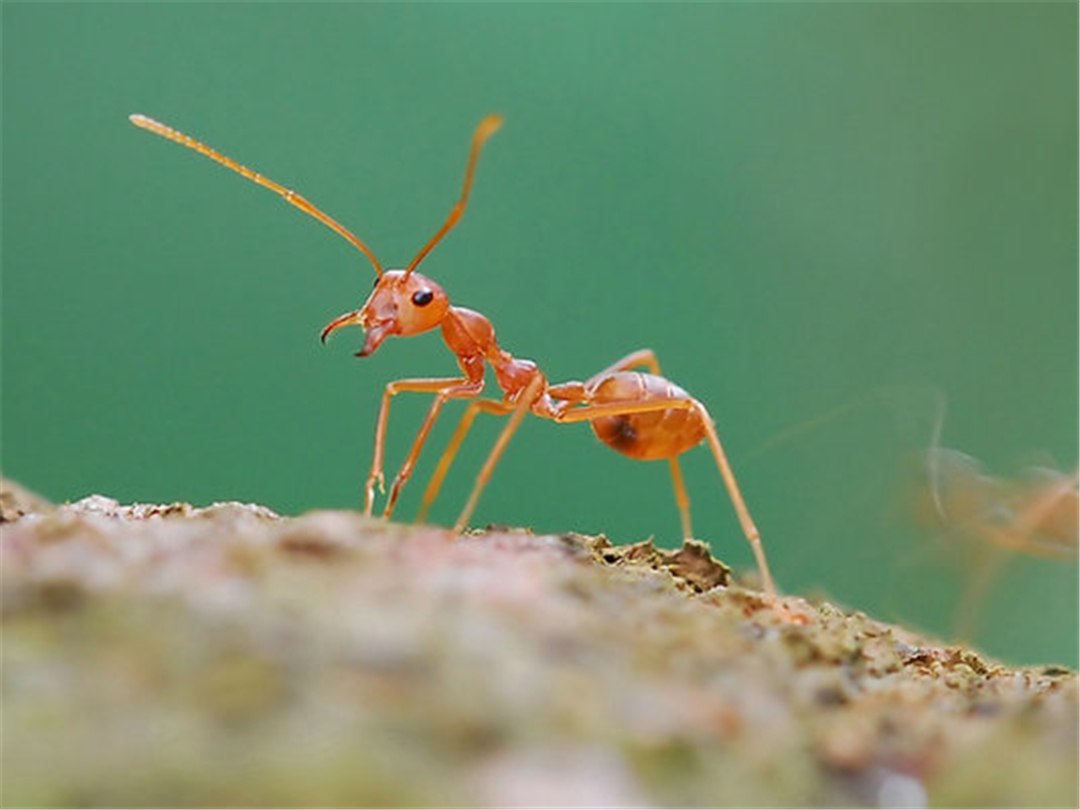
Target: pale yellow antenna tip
(140, 120)
(489, 126)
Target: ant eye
(376, 282)
(422, 298)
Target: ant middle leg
(521, 407)
(493, 406)
(567, 393)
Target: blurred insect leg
(1046, 520)
(492, 406)
(987, 569)
(419, 385)
(521, 407)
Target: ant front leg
(459, 386)
(465, 391)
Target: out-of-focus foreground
(169, 655)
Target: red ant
(641, 415)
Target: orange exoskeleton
(639, 414)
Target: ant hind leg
(588, 413)
(641, 358)
(682, 500)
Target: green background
(805, 209)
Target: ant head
(402, 304)
(405, 302)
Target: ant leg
(748, 526)
(575, 391)
(642, 357)
(425, 429)
(492, 406)
(682, 500)
(588, 413)
(419, 385)
(1046, 520)
(966, 613)
(521, 407)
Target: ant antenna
(488, 127)
(291, 197)
(933, 458)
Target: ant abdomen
(650, 435)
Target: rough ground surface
(168, 655)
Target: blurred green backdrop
(803, 208)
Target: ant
(641, 415)
(1036, 513)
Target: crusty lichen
(227, 656)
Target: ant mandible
(641, 415)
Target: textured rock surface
(226, 656)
